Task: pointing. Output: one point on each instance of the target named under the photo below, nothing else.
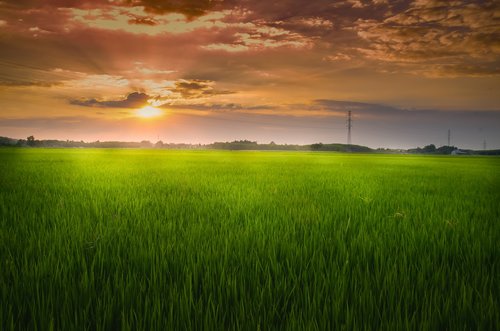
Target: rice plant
(183, 240)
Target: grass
(182, 240)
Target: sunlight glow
(148, 112)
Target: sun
(148, 112)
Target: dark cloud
(219, 107)
(289, 10)
(183, 89)
(190, 8)
(424, 37)
(54, 3)
(192, 85)
(133, 100)
(17, 83)
(432, 38)
(196, 88)
(379, 111)
(359, 107)
(143, 20)
(437, 38)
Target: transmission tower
(349, 126)
(449, 137)
(484, 144)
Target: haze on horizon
(222, 70)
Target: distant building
(458, 152)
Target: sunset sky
(284, 71)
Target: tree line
(236, 145)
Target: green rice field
(97, 239)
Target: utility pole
(449, 137)
(349, 126)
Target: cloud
(133, 100)
(157, 93)
(359, 108)
(337, 57)
(316, 22)
(53, 3)
(16, 75)
(85, 81)
(18, 83)
(231, 30)
(369, 111)
(137, 20)
(263, 37)
(196, 88)
(218, 106)
(143, 20)
(189, 8)
(144, 72)
(437, 38)
(277, 52)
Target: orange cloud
(438, 37)
(133, 100)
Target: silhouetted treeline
(32, 142)
(431, 149)
(253, 145)
(488, 152)
(340, 148)
(233, 145)
(447, 150)
(4, 141)
(238, 145)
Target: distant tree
(4, 141)
(146, 144)
(159, 144)
(316, 147)
(445, 149)
(31, 141)
(429, 148)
